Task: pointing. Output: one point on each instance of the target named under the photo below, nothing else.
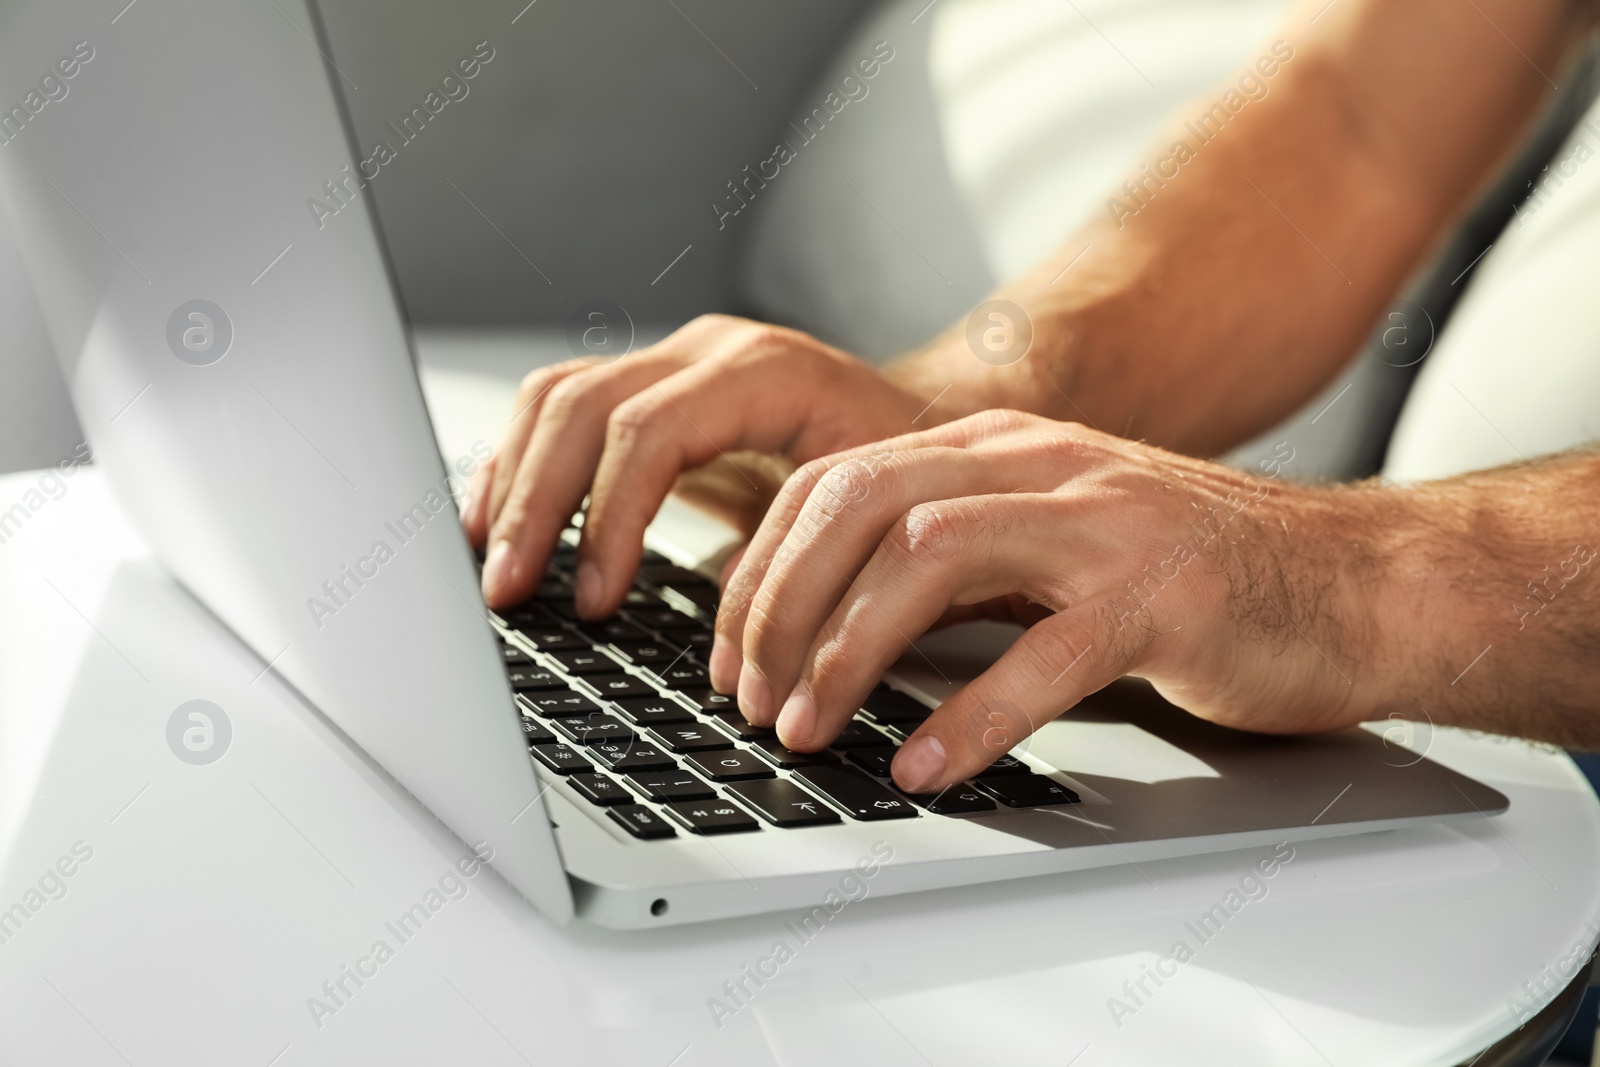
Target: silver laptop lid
(246, 380)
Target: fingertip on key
(588, 588)
(499, 572)
(723, 664)
(797, 722)
(920, 764)
(755, 697)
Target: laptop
(241, 364)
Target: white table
(219, 898)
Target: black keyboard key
(959, 799)
(649, 653)
(664, 619)
(734, 724)
(563, 759)
(605, 631)
(875, 761)
(856, 793)
(711, 817)
(698, 642)
(782, 803)
(548, 637)
(531, 676)
(671, 785)
(628, 756)
(600, 789)
(526, 615)
(690, 737)
(709, 700)
(513, 656)
(565, 702)
(592, 729)
(641, 822)
(1027, 791)
(857, 734)
(537, 733)
(652, 557)
(772, 749)
(640, 600)
(684, 676)
(621, 686)
(703, 597)
(671, 574)
(1005, 766)
(890, 706)
(730, 766)
(586, 664)
(653, 711)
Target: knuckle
(935, 533)
(535, 382)
(805, 478)
(1063, 646)
(794, 499)
(734, 604)
(760, 629)
(633, 419)
(570, 398)
(846, 484)
(758, 342)
(513, 511)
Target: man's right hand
(622, 432)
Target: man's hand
(621, 433)
(1228, 590)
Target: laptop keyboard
(623, 712)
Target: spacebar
(856, 793)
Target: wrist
(960, 374)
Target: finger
(723, 663)
(1051, 667)
(524, 416)
(756, 699)
(554, 471)
(475, 508)
(939, 555)
(866, 506)
(755, 394)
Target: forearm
(1489, 607)
(1210, 305)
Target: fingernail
(797, 722)
(499, 569)
(919, 765)
(755, 698)
(724, 664)
(588, 589)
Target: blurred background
(596, 155)
(612, 151)
(605, 151)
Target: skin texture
(1234, 293)
(624, 431)
(1246, 599)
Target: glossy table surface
(208, 904)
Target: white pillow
(1516, 373)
